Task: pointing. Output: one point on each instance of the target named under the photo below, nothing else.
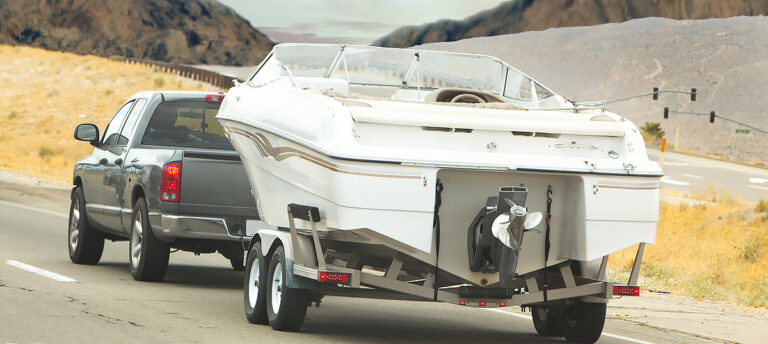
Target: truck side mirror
(87, 132)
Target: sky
(347, 21)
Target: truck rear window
(186, 124)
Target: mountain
(533, 15)
(179, 31)
(725, 59)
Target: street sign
(742, 131)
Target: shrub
(108, 92)
(652, 132)
(159, 82)
(12, 114)
(46, 152)
(762, 206)
(117, 58)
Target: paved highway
(687, 174)
(200, 301)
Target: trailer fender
(270, 239)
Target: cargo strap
(546, 242)
(436, 225)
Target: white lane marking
(44, 211)
(758, 181)
(668, 180)
(758, 187)
(692, 176)
(41, 272)
(682, 164)
(604, 333)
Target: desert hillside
(726, 59)
(45, 94)
(194, 31)
(530, 15)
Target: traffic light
(666, 113)
(655, 93)
(711, 117)
(693, 94)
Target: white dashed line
(758, 187)
(41, 272)
(44, 211)
(692, 176)
(616, 336)
(674, 182)
(758, 181)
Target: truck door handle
(103, 161)
(119, 161)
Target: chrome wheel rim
(277, 287)
(74, 225)
(137, 236)
(253, 283)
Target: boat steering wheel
(467, 98)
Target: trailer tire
(548, 319)
(286, 307)
(147, 255)
(255, 287)
(86, 243)
(583, 322)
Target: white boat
(367, 135)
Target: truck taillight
(214, 98)
(170, 182)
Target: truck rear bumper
(171, 227)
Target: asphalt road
(200, 300)
(690, 174)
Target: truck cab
(163, 176)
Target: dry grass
(713, 250)
(45, 94)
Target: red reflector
(502, 304)
(481, 303)
(333, 277)
(462, 302)
(625, 290)
(214, 98)
(170, 182)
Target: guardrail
(194, 73)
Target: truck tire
(548, 319)
(583, 322)
(148, 255)
(85, 243)
(255, 287)
(286, 307)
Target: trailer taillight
(482, 303)
(626, 290)
(333, 277)
(170, 182)
(214, 98)
(502, 304)
(462, 303)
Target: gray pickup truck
(163, 176)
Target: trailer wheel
(85, 242)
(255, 287)
(548, 319)
(584, 322)
(286, 307)
(148, 255)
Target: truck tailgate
(215, 183)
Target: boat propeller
(509, 227)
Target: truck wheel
(85, 242)
(583, 322)
(548, 319)
(255, 287)
(286, 307)
(147, 254)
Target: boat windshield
(408, 74)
